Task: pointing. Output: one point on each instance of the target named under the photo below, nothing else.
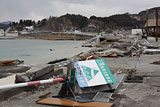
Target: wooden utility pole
(156, 24)
(147, 22)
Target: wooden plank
(67, 102)
(7, 62)
(44, 95)
(156, 62)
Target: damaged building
(153, 23)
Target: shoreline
(58, 36)
(42, 51)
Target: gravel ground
(29, 98)
(128, 94)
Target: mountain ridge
(72, 22)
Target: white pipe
(32, 83)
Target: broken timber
(67, 102)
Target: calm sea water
(39, 51)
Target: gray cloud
(38, 9)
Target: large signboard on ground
(93, 73)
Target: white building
(136, 32)
(12, 33)
(29, 28)
(24, 32)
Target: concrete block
(56, 72)
(34, 73)
(8, 80)
(152, 81)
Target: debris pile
(88, 84)
(87, 79)
(120, 46)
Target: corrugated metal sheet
(94, 97)
(102, 97)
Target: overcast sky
(14, 10)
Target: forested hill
(72, 22)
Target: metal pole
(32, 83)
(147, 22)
(156, 24)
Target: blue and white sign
(93, 73)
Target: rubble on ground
(131, 60)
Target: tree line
(79, 22)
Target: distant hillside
(66, 22)
(119, 21)
(72, 22)
(6, 23)
(3, 26)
